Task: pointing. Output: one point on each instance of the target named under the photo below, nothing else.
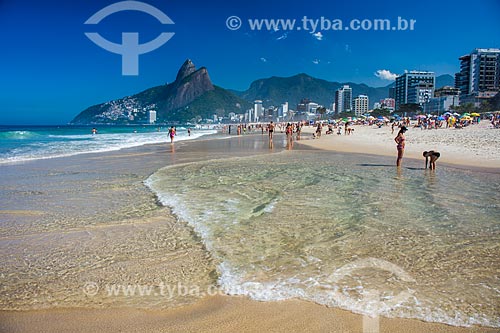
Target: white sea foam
(68, 145)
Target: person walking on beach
(171, 133)
(400, 140)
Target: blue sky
(50, 71)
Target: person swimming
(431, 157)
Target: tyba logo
(130, 49)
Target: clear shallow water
(37, 142)
(347, 231)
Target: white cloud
(263, 59)
(316, 61)
(284, 36)
(385, 74)
(318, 35)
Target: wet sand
(54, 210)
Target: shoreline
(216, 313)
(219, 314)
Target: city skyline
(52, 71)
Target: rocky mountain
(191, 95)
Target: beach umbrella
(448, 114)
(441, 118)
(466, 114)
(421, 116)
(465, 118)
(456, 114)
(475, 114)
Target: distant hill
(190, 96)
(445, 80)
(276, 90)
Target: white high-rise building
(258, 111)
(360, 105)
(152, 116)
(343, 99)
(283, 110)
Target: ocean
(343, 230)
(346, 231)
(24, 143)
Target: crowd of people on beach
(346, 126)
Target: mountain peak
(186, 69)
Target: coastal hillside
(276, 90)
(192, 95)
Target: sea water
(347, 231)
(23, 143)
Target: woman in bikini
(400, 140)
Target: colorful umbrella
(475, 114)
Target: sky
(50, 70)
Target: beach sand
(476, 145)
(217, 314)
(55, 181)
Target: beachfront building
(360, 105)
(343, 99)
(440, 105)
(283, 111)
(258, 111)
(312, 107)
(479, 76)
(444, 98)
(446, 91)
(388, 103)
(151, 116)
(414, 87)
(420, 93)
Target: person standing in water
(400, 141)
(171, 133)
(271, 130)
(430, 158)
